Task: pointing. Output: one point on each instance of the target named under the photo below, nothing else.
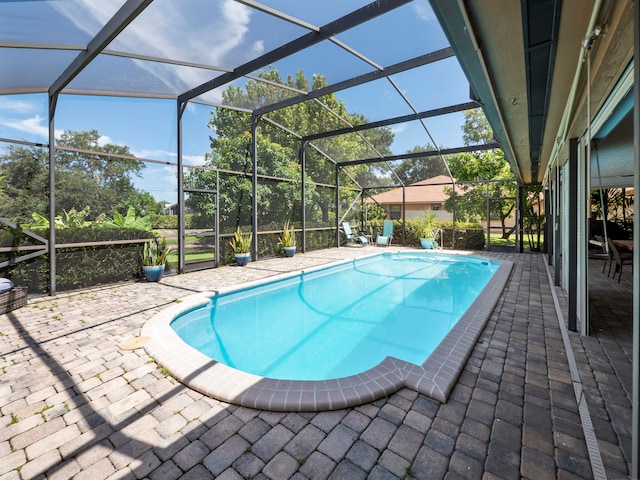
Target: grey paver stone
(346, 469)
(363, 455)
(221, 431)
(85, 440)
(254, 430)
(191, 455)
(168, 447)
(507, 434)
(338, 442)
(406, 442)
(392, 414)
(231, 474)
(440, 442)
(94, 453)
(281, 466)
(357, 421)
(394, 463)
(305, 442)
(272, 442)
(41, 464)
(144, 464)
(471, 447)
(64, 470)
(379, 473)
(503, 460)
(248, 465)
(166, 471)
(98, 471)
(326, 421)
(52, 441)
(223, 457)
(317, 467)
(429, 464)
(198, 472)
(126, 453)
(536, 465)
(12, 461)
(462, 466)
(294, 422)
(378, 433)
(418, 421)
(37, 433)
(171, 425)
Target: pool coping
(435, 378)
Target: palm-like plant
(288, 238)
(155, 253)
(241, 243)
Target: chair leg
(620, 273)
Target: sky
(148, 126)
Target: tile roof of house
(430, 190)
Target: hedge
(83, 267)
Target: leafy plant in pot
(428, 231)
(154, 259)
(288, 240)
(240, 244)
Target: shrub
(83, 267)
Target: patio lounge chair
(619, 259)
(603, 253)
(387, 234)
(353, 238)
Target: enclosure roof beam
(430, 153)
(123, 17)
(340, 25)
(461, 107)
(360, 79)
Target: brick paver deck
(75, 404)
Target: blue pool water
(339, 321)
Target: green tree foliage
(471, 200)
(413, 170)
(278, 151)
(102, 183)
(275, 199)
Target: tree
(275, 199)
(413, 170)
(102, 183)
(482, 166)
(302, 118)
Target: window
(395, 212)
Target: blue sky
(148, 127)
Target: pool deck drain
(435, 378)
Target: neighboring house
(421, 196)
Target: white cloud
(36, 125)
(399, 128)
(195, 160)
(17, 106)
(203, 34)
(423, 11)
(104, 140)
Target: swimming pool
(434, 376)
(339, 321)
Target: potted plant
(288, 240)
(240, 244)
(428, 231)
(154, 259)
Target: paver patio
(75, 404)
